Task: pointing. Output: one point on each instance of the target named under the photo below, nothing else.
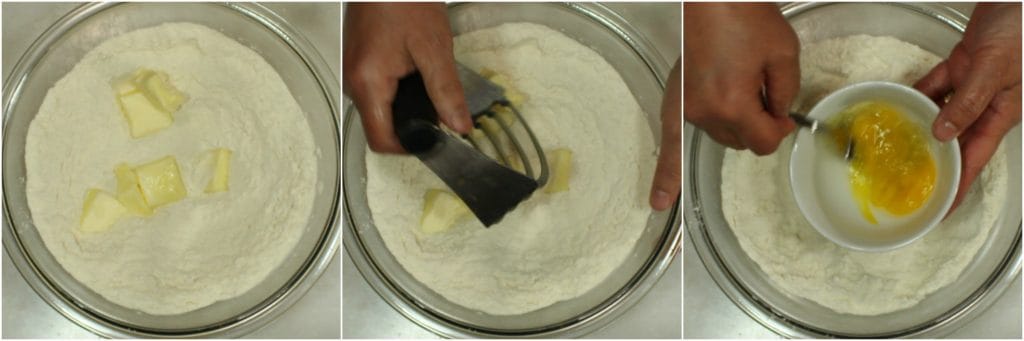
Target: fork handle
(801, 120)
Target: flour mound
(553, 247)
(205, 248)
(802, 263)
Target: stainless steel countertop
(657, 315)
(710, 314)
(316, 315)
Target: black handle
(414, 116)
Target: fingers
(975, 152)
(783, 83)
(435, 60)
(970, 99)
(373, 95)
(745, 126)
(979, 143)
(936, 84)
(762, 132)
(725, 137)
(668, 174)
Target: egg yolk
(891, 167)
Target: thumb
(668, 174)
(435, 60)
(970, 99)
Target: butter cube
(504, 114)
(502, 143)
(487, 73)
(511, 93)
(100, 211)
(441, 210)
(157, 86)
(147, 99)
(483, 144)
(515, 162)
(515, 97)
(128, 191)
(491, 126)
(143, 117)
(221, 171)
(125, 84)
(160, 182)
(478, 137)
(561, 167)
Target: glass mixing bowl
(933, 28)
(308, 78)
(644, 71)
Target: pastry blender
(491, 170)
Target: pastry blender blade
(491, 169)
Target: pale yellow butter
(561, 169)
(160, 182)
(100, 211)
(441, 210)
(221, 171)
(143, 117)
(147, 100)
(128, 191)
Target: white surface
(657, 315)
(316, 315)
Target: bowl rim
(251, 319)
(803, 201)
(593, 319)
(1007, 269)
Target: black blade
(488, 188)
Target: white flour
(553, 247)
(801, 262)
(207, 247)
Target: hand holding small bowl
(820, 177)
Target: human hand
(982, 77)
(385, 42)
(734, 53)
(668, 175)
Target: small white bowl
(820, 178)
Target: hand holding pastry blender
(489, 187)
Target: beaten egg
(891, 167)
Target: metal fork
(481, 97)
(817, 127)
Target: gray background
(710, 314)
(657, 315)
(316, 315)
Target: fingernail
(945, 130)
(660, 200)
